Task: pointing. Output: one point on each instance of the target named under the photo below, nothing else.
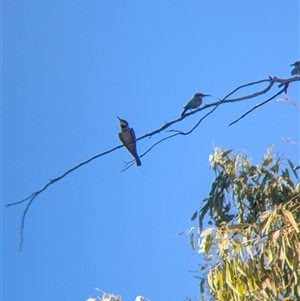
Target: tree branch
(271, 81)
(257, 106)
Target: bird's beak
(292, 65)
(206, 95)
(118, 117)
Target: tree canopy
(252, 249)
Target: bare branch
(257, 106)
(34, 194)
(286, 98)
(289, 140)
(177, 133)
(226, 99)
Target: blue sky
(69, 68)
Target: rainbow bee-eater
(195, 102)
(127, 136)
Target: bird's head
(123, 123)
(297, 63)
(200, 95)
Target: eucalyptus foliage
(252, 248)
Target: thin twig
(257, 106)
(34, 194)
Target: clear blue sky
(69, 68)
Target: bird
(194, 103)
(296, 69)
(127, 137)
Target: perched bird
(195, 102)
(296, 70)
(127, 137)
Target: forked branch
(214, 105)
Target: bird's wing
(132, 133)
(190, 104)
(187, 105)
(121, 138)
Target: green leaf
(226, 153)
(210, 281)
(206, 232)
(192, 241)
(202, 286)
(291, 219)
(194, 215)
(293, 169)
